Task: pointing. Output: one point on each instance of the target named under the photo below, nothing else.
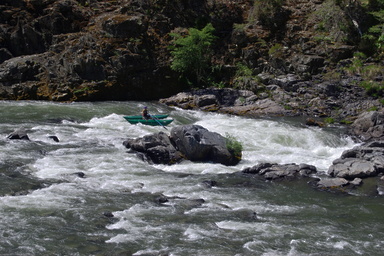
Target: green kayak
(140, 117)
(153, 122)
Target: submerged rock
(19, 134)
(332, 182)
(271, 171)
(54, 138)
(380, 186)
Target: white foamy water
(239, 216)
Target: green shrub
(369, 73)
(373, 89)
(373, 37)
(276, 51)
(192, 53)
(233, 145)
(238, 27)
(243, 70)
(267, 12)
(346, 122)
(374, 108)
(332, 23)
(329, 120)
(356, 67)
(245, 79)
(332, 75)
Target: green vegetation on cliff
(192, 53)
(269, 13)
(374, 37)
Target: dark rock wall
(68, 50)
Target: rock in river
(191, 142)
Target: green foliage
(233, 145)
(366, 71)
(373, 89)
(380, 44)
(332, 75)
(372, 41)
(276, 51)
(220, 84)
(192, 53)
(329, 120)
(238, 27)
(356, 66)
(267, 12)
(245, 80)
(369, 73)
(347, 122)
(243, 70)
(374, 108)
(332, 23)
(359, 55)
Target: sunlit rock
(191, 142)
(198, 144)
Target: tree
(373, 39)
(192, 53)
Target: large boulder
(358, 170)
(310, 64)
(351, 168)
(191, 142)
(156, 148)
(198, 144)
(369, 126)
(362, 161)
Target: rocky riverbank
(287, 95)
(85, 50)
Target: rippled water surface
(46, 208)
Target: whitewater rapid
(67, 214)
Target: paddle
(157, 120)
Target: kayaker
(145, 114)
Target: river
(46, 208)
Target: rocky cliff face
(67, 50)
